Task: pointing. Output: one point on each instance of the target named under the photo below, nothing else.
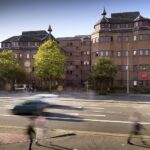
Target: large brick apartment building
(124, 38)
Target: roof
(48, 36)
(29, 36)
(124, 17)
(77, 37)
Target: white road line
(77, 114)
(5, 97)
(93, 107)
(112, 112)
(97, 111)
(83, 119)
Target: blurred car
(34, 105)
(30, 108)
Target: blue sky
(67, 17)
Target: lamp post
(128, 70)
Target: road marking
(97, 111)
(112, 112)
(5, 97)
(77, 114)
(93, 107)
(84, 119)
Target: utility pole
(128, 70)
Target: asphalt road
(90, 116)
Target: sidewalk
(71, 141)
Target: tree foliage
(49, 62)
(10, 69)
(102, 73)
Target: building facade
(125, 39)
(77, 50)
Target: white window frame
(118, 53)
(135, 52)
(28, 56)
(134, 37)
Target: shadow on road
(64, 135)
(61, 117)
(139, 145)
(65, 107)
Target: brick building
(77, 50)
(125, 39)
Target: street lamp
(128, 70)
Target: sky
(66, 17)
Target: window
(135, 67)
(143, 37)
(125, 53)
(29, 44)
(134, 38)
(20, 55)
(118, 53)
(102, 39)
(127, 38)
(146, 52)
(86, 62)
(118, 26)
(143, 67)
(28, 56)
(107, 39)
(119, 39)
(15, 44)
(97, 40)
(136, 24)
(94, 40)
(126, 25)
(88, 52)
(106, 53)
(102, 53)
(97, 53)
(141, 52)
(134, 52)
(36, 44)
(16, 55)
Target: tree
(10, 70)
(50, 62)
(103, 73)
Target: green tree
(50, 63)
(102, 74)
(10, 70)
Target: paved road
(82, 115)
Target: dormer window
(102, 26)
(136, 24)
